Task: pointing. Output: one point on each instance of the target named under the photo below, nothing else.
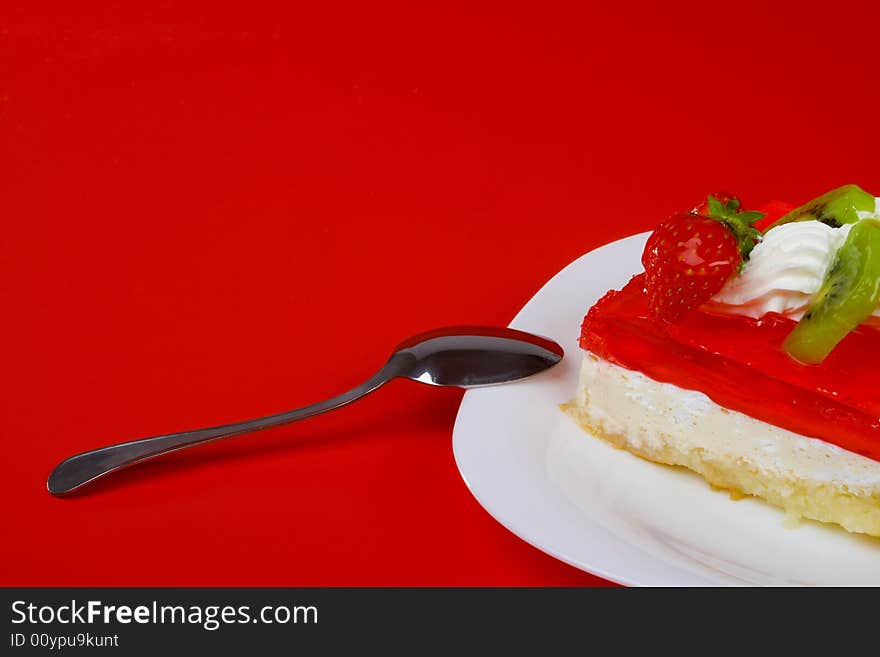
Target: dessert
(746, 352)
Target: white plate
(608, 512)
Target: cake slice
(708, 376)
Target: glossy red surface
(212, 211)
(738, 362)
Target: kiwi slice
(838, 207)
(847, 297)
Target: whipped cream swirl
(783, 273)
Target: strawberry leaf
(751, 216)
(715, 207)
(737, 222)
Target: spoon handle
(83, 468)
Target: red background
(211, 214)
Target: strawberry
(689, 257)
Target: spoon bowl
(461, 356)
(471, 357)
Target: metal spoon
(463, 356)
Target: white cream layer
(649, 413)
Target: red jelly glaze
(738, 362)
